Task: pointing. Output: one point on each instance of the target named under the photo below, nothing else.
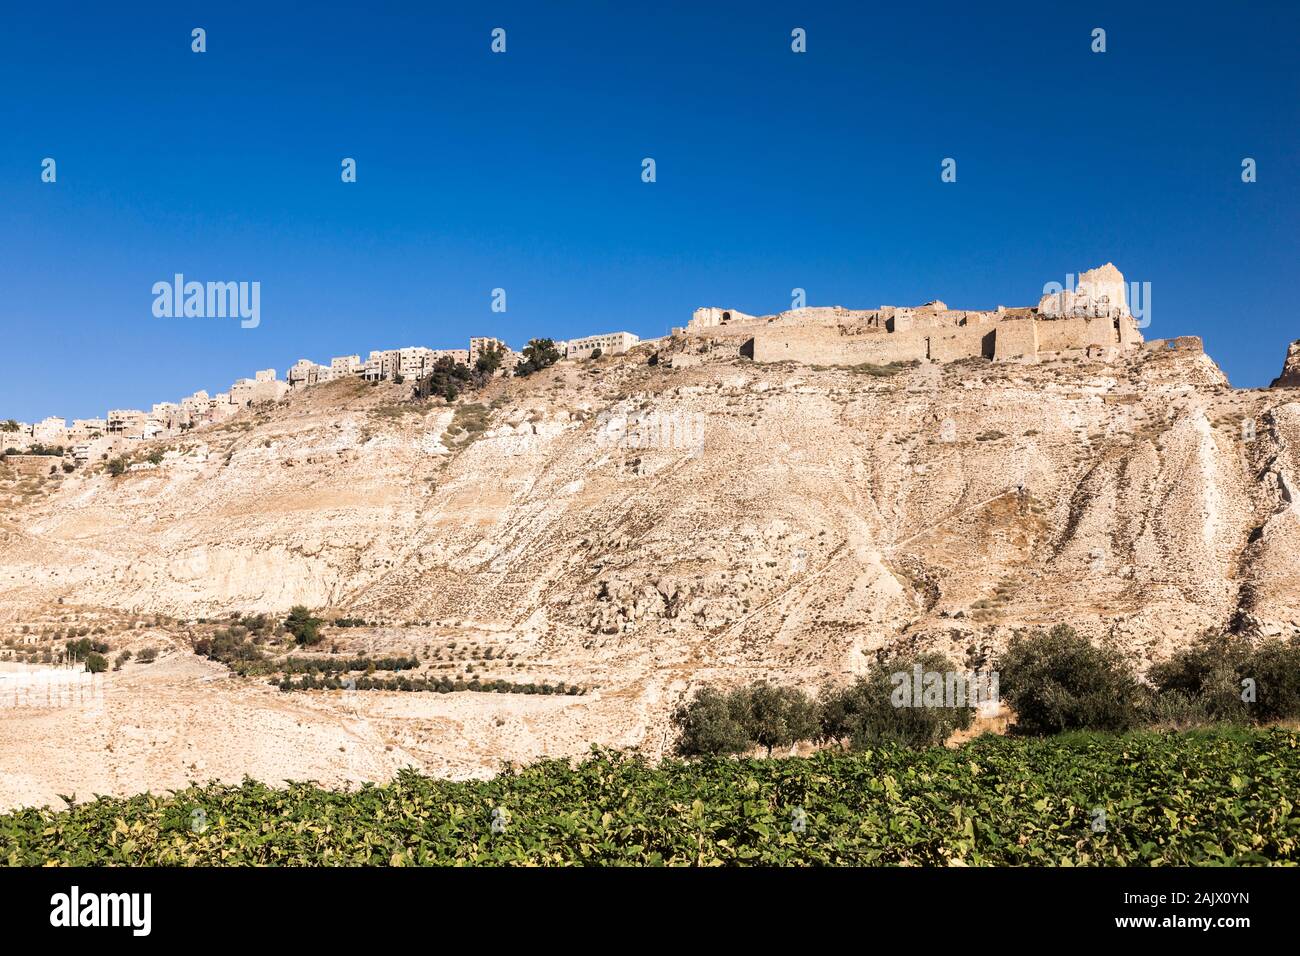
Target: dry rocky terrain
(636, 529)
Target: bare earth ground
(184, 719)
(822, 514)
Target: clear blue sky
(523, 171)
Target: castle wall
(1013, 339)
(1091, 319)
(1058, 335)
(827, 346)
(1016, 340)
(959, 342)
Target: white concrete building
(128, 422)
(50, 431)
(347, 365)
(609, 343)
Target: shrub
(1204, 678)
(1060, 681)
(538, 354)
(1178, 710)
(446, 380)
(1275, 667)
(231, 647)
(488, 361)
(868, 713)
(148, 655)
(304, 628)
(121, 660)
(117, 466)
(96, 663)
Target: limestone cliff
(810, 515)
(1290, 377)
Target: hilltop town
(31, 446)
(1091, 319)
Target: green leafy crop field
(1202, 798)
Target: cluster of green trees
(78, 649)
(450, 378)
(488, 361)
(1059, 681)
(1227, 679)
(436, 685)
(96, 661)
(1054, 681)
(860, 716)
(447, 380)
(303, 626)
(538, 354)
(231, 646)
(89, 651)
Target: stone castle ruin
(1092, 319)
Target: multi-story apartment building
(480, 344)
(94, 449)
(306, 372)
(127, 422)
(86, 429)
(50, 431)
(413, 362)
(347, 365)
(609, 343)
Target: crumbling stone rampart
(1091, 319)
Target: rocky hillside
(717, 514)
